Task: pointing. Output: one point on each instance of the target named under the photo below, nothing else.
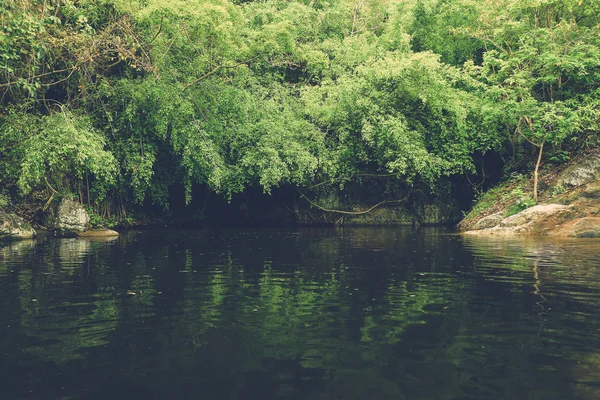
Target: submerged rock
(13, 227)
(69, 216)
(96, 233)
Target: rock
(95, 233)
(580, 227)
(13, 227)
(581, 173)
(576, 186)
(69, 216)
(489, 222)
(536, 214)
(539, 219)
(592, 190)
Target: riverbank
(66, 218)
(569, 203)
(569, 206)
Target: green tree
(541, 71)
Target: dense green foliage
(119, 100)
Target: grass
(510, 197)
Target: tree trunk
(535, 173)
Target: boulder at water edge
(13, 227)
(540, 219)
(69, 216)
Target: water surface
(363, 313)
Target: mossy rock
(68, 216)
(13, 227)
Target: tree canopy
(116, 98)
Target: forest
(159, 104)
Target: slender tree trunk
(87, 185)
(535, 173)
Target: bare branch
(213, 71)
(312, 203)
(40, 76)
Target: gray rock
(69, 216)
(536, 214)
(13, 227)
(535, 220)
(489, 222)
(581, 173)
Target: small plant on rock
(523, 201)
(558, 190)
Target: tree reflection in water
(306, 314)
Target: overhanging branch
(312, 203)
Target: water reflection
(562, 277)
(307, 314)
(72, 251)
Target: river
(348, 313)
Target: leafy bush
(4, 200)
(99, 222)
(133, 98)
(61, 149)
(521, 200)
(558, 190)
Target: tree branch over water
(368, 210)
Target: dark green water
(363, 313)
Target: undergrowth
(511, 197)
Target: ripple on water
(308, 314)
